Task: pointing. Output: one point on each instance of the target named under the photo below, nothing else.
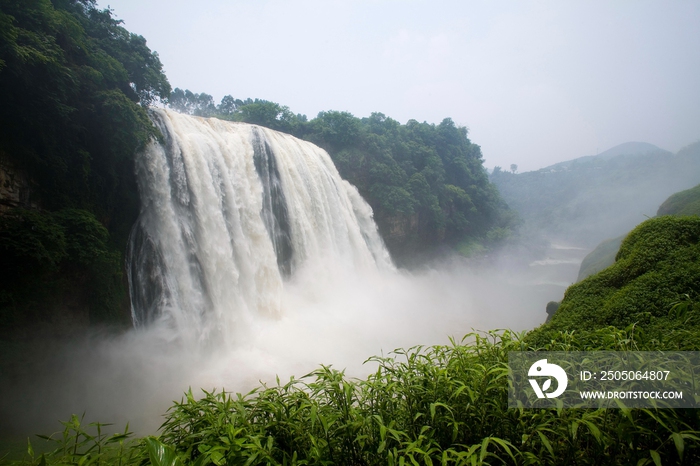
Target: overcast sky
(536, 82)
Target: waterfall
(230, 212)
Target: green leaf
(545, 442)
(161, 454)
(680, 444)
(656, 457)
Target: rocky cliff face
(14, 186)
(400, 234)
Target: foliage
(192, 104)
(76, 85)
(84, 445)
(258, 111)
(67, 251)
(70, 113)
(658, 263)
(437, 405)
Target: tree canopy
(426, 182)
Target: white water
(228, 208)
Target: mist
(339, 320)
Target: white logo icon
(542, 369)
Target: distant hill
(629, 149)
(591, 198)
(602, 257)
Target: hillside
(658, 265)
(626, 149)
(602, 257)
(589, 199)
(682, 203)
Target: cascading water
(229, 212)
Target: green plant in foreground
(78, 444)
(439, 405)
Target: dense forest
(76, 86)
(592, 198)
(426, 183)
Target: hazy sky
(536, 82)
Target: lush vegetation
(593, 198)
(426, 183)
(68, 252)
(657, 266)
(425, 406)
(72, 114)
(683, 203)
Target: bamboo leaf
(545, 442)
(656, 457)
(160, 454)
(680, 444)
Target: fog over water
(341, 321)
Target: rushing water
(229, 212)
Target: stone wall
(399, 227)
